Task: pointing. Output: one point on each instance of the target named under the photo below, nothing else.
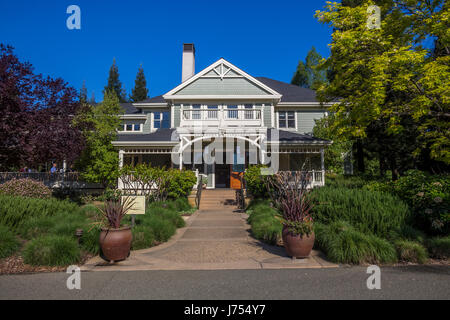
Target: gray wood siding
(226, 86)
(305, 119)
(176, 115)
(267, 114)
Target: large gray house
(231, 116)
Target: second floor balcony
(222, 117)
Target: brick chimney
(188, 69)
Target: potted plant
(292, 198)
(115, 239)
(204, 182)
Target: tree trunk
(394, 168)
(382, 165)
(360, 156)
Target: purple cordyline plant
(115, 210)
(289, 193)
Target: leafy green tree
(385, 79)
(335, 153)
(100, 161)
(114, 84)
(140, 91)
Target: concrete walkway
(216, 237)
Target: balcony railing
(228, 117)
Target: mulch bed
(15, 265)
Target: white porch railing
(221, 117)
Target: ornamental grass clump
(25, 188)
(291, 197)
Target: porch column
(119, 181)
(322, 162)
(121, 153)
(181, 161)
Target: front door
(235, 180)
(222, 174)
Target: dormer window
(131, 127)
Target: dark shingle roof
(294, 137)
(158, 135)
(129, 108)
(290, 92)
(158, 99)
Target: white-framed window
(287, 120)
(131, 127)
(161, 120)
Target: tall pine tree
(308, 74)
(140, 91)
(300, 77)
(83, 93)
(114, 84)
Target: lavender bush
(25, 188)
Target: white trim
(151, 105)
(223, 97)
(133, 117)
(305, 104)
(172, 116)
(144, 143)
(171, 93)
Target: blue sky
(264, 38)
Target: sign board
(138, 204)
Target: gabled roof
(224, 70)
(290, 92)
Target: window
(130, 127)
(232, 114)
(249, 113)
(212, 111)
(196, 113)
(161, 120)
(286, 119)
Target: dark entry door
(222, 175)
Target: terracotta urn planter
(116, 243)
(297, 246)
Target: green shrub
(181, 183)
(16, 210)
(162, 229)
(368, 211)
(8, 242)
(439, 247)
(25, 188)
(342, 181)
(255, 181)
(52, 250)
(411, 251)
(344, 244)
(265, 225)
(58, 224)
(143, 237)
(89, 240)
(427, 195)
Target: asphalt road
(412, 282)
